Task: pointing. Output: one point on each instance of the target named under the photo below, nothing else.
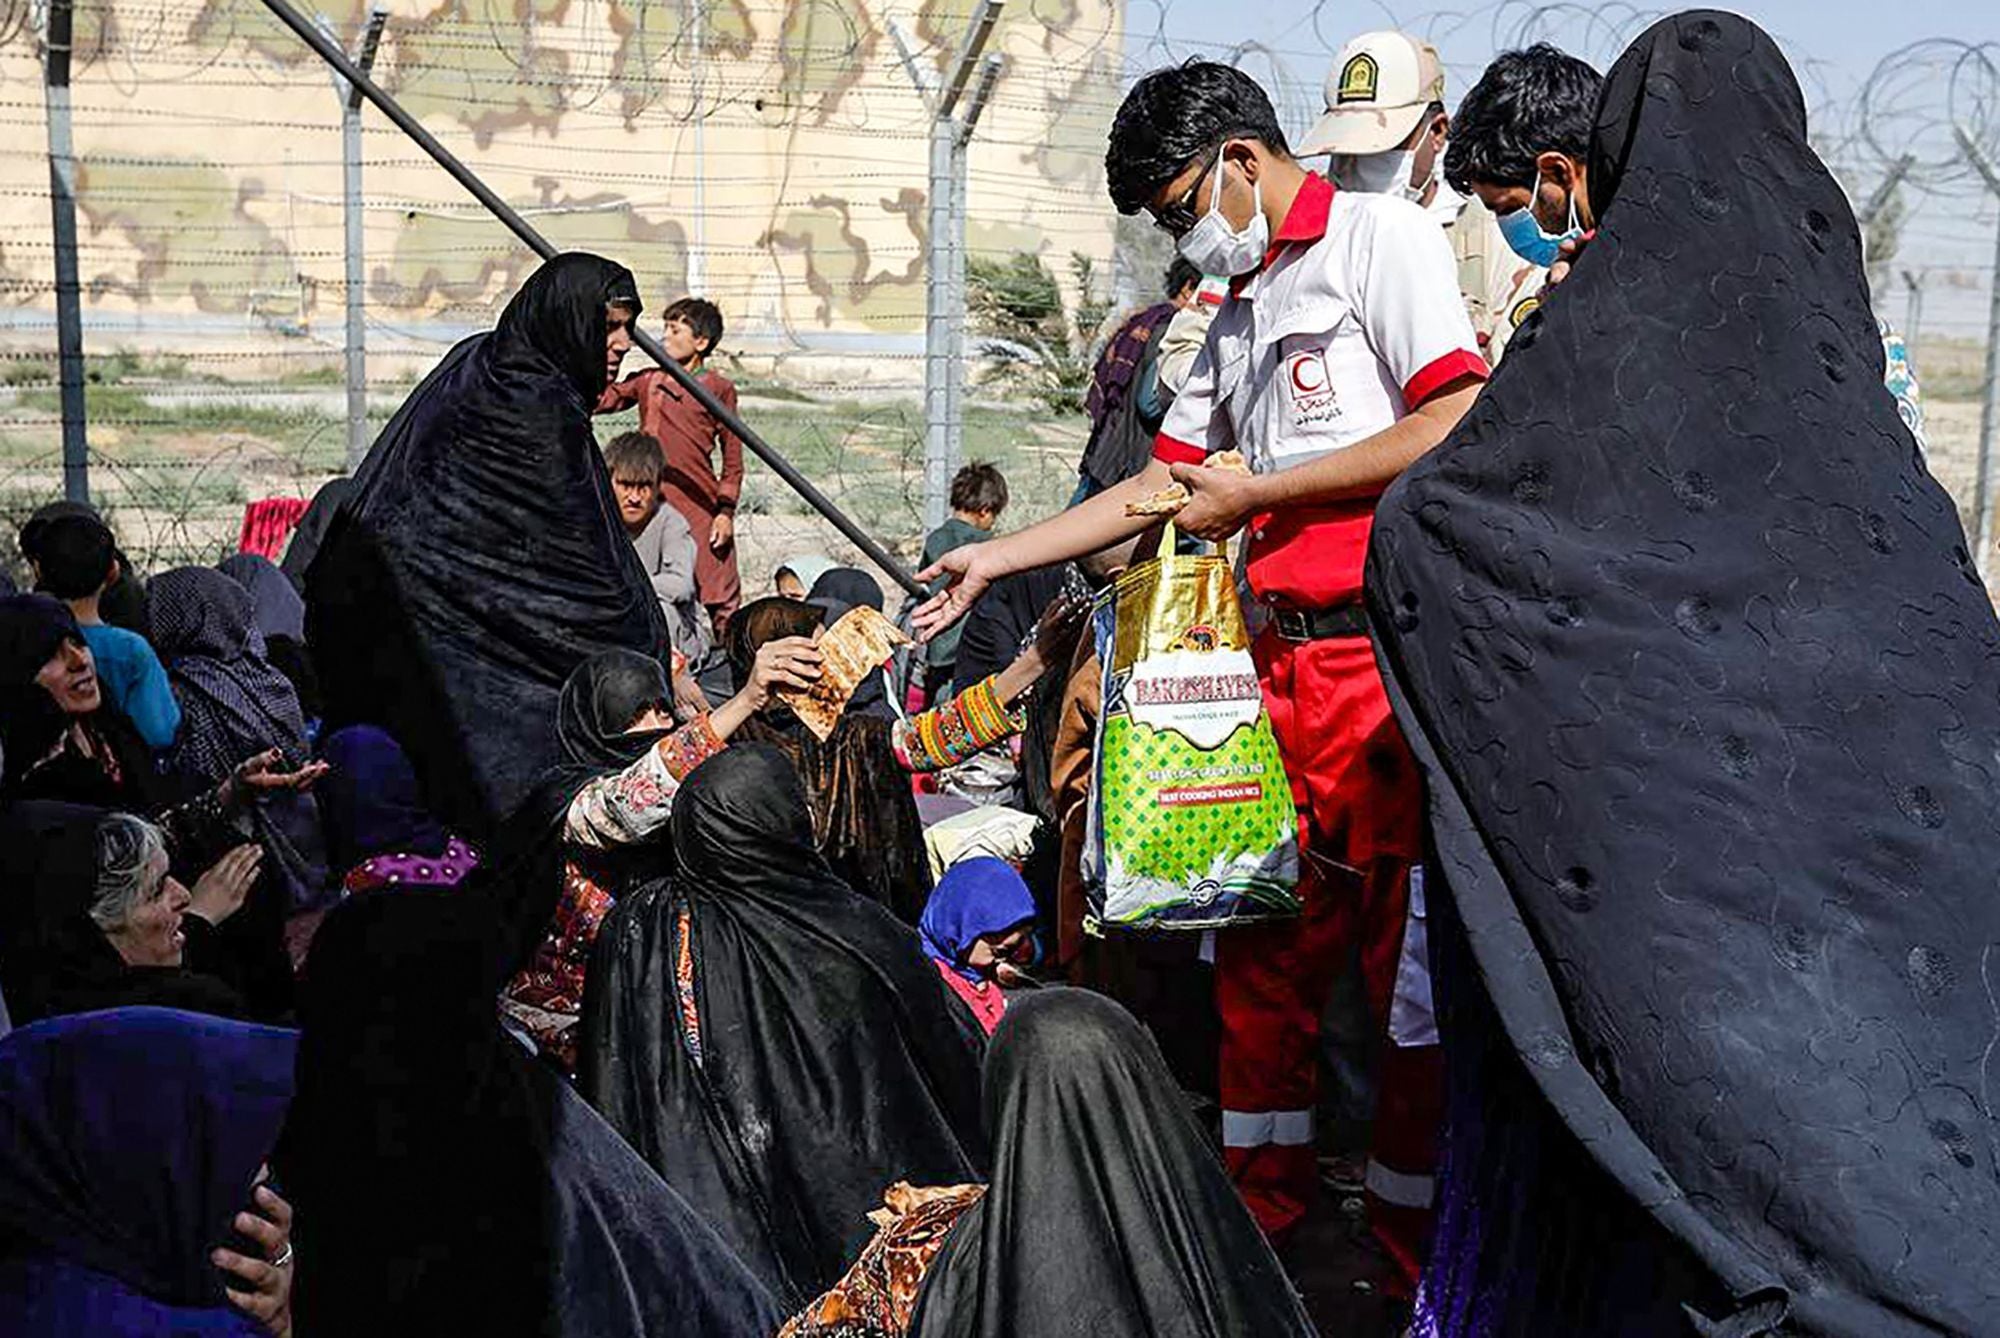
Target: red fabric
(1310, 557)
(1351, 772)
(1441, 372)
(268, 525)
(1360, 806)
(689, 437)
(988, 1002)
(1177, 452)
(1409, 1118)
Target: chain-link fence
(770, 154)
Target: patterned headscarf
(233, 702)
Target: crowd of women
(427, 961)
(671, 1052)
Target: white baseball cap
(1376, 94)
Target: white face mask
(1214, 247)
(1386, 173)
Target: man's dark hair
(979, 487)
(702, 316)
(634, 457)
(1181, 275)
(1526, 104)
(1176, 115)
(74, 556)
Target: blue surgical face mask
(1527, 237)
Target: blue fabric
(976, 897)
(371, 802)
(44, 1297)
(132, 677)
(129, 1140)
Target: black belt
(1318, 624)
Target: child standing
(978, 496)
(689, 438)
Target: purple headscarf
(371, 801)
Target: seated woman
(774, 1043)
(235, 704)
(132, 1148)
(980, 923)
(280, 615)
(60, 740)
(379, 833)
(625, 761)
(547, 1223)
(1107, 1212)
(864, 817)
(94, 919)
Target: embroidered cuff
(688, 747)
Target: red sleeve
(1174, 451)
(731, 489)
(621, 394)
(1441, 372)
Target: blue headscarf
(976, 897)
(370, 800)
(129, 1141)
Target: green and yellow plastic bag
(1191, 823)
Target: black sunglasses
(1178, 218)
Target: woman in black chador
(1708, 696)
(479, 557)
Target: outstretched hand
(261, 775)
(967, 573)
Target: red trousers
(1360, 821)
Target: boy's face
(681, 343)
(638, 501)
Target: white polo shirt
(1352, 322)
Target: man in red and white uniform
(1342, 354)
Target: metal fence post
(62, 206)
(944, 253)
(1989, 404)
(357, 268)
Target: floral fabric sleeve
(947, 735)
(628, 806)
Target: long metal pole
(62, 208)
(357, 267)
(500, 209)
(1989, 407)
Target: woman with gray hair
(96, 920)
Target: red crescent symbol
(1303, 384)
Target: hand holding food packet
(861, 642)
